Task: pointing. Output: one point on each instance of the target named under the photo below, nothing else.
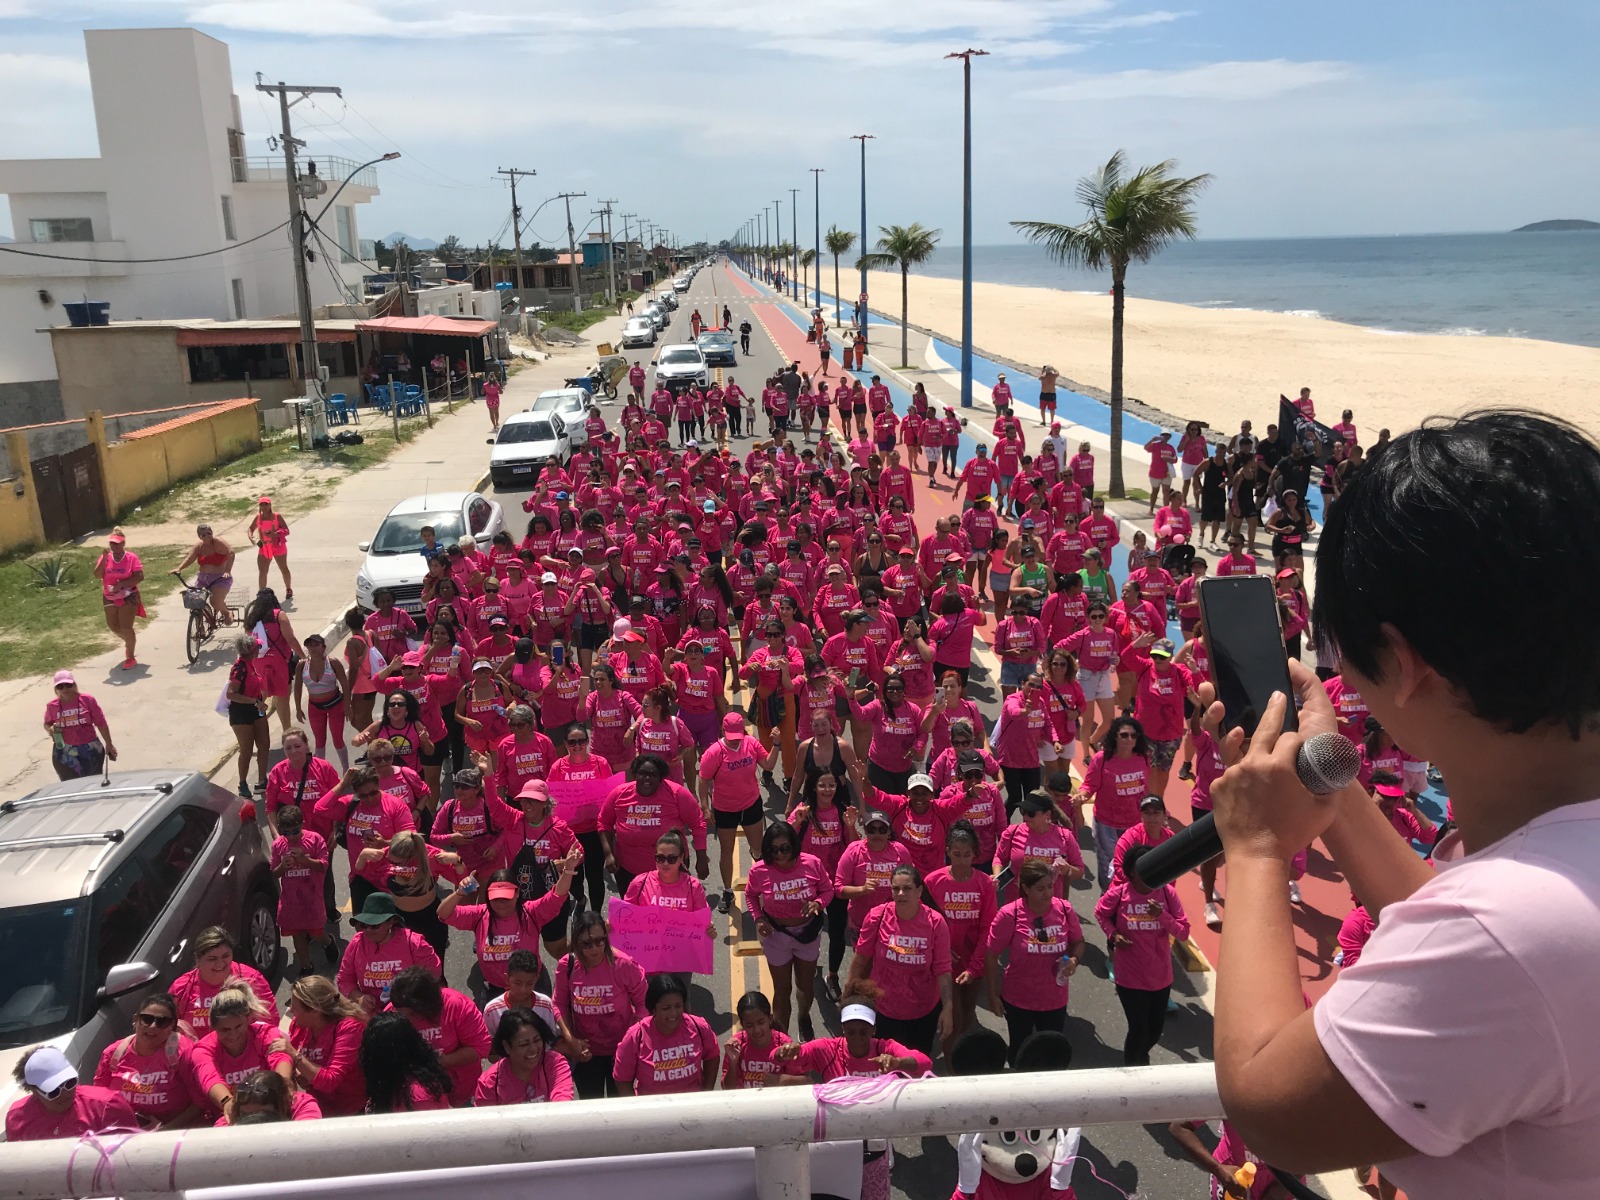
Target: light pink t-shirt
(656, 1063)
(1036, 946)
(1468, 1025)
(908, 957)
(731, 764)
(1149, 922)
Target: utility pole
(777, 229)
(299, 190)
(863, 138)
(816, 208)
(794, 228)
(512, 173)
(966, 57)
(611, 265)
(627, 251)
(572, 252)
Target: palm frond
(838, 241)
(876, 262)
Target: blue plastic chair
(337, 409)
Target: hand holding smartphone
(1245, 642)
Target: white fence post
(783, 1172)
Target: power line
(12, 249)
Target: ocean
(1532, 285)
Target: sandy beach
(1221, 366)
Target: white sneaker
(1213, 917)
(1294, 893)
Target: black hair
(583, 920)
(662, 985)
(393, 1057)
(647, 759)
(264, 606)
(606, 669)
(355, 620)
(964, 832)
(979, 1051)
(752, 1002)
(417, 989)
(1130, 861)
(774, 831)
(1514, 485)
(523, 962)
(1141, 744)
(515, 1020)
(413, 709)
(1044, 1050)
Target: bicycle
(203, 623)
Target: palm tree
(450, 250)
(903, 246)
(838, 241)
(1130, 217)
(807, 258)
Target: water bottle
(1063, 970)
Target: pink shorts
(273, 550)
(781, 948)
(274, 675)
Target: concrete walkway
(162, 713)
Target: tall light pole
(777, 210)
(863, 138)
(816, 208)
(966, 57)
(572, 253)
(794, 227)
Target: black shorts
(244, 714)
(555, 929)
(440, 750)
(754, 815)
(592, 635)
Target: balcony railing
(267, 168)
(778, 1122)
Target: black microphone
(1325, 763)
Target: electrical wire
(11, 248)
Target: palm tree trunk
(837, 303)
(905, 313)
(1118, 285)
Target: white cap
(48, 1069)
(549, 577)
(857, 1012)
(917, 781)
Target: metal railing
(268, 169)
(778, 1122)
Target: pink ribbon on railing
(852, 1090)
(103, 1182)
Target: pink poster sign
(662, 939)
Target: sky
(1360, 118)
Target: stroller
(1177, 560)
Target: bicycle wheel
(611, 391)
(198, 634)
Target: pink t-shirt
(601, 1004)
(921, 833)
(460, 1026)
(969, 908)
(194, 996)
(687, 894)
(94, 1110)
(157, 1086)
(214, 1065)
(907, 957)
(731, 763)
(1117, 785)
(1354, 934)
(593, 767)
(1023, 727)
(657, 1063)
(340, 1086)
(1158, 699)
(1018, 842)
(300, 907)
(1489, 959)
(824, 835)
(1136, 835)
(635, 822)
(860, 866)
(831, 1058)
(79, 721)
(756, 1067)
(984, 807)
(893, 737)
(1035, 947)
(1150, 922)
(551, 1081)
(368, 969)
(495, 939)
(1207, 770)
(283, 782)
(783, 895)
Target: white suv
(682, 364)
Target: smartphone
(558, 653)
(1245, 642)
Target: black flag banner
(1294, 427)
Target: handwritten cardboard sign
(662, 939)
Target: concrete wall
(31, 403)
(120, 369)
(151, 460)
(20, 522)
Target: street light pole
(966, 57)
(863, 138)
(816, 207)
(777, 212)
(794, 226)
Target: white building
(172, 179)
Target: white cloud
(1258, 80)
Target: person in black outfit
(727, 317)
(789, 381)
(744, 338)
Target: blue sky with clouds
(1357, 118)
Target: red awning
(445, 326)
(257, 337)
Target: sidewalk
(162, 714)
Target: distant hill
(1556, 226)
(415, 243)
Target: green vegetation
(47, 628)
(903, 246)
(565, 318)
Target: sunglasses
(590, 943)
(577, 741)
(782, 848)
(395, 704)
(1127, 735)
(667, 859)
(56, 1092)
(155, 1021)
(373, 793)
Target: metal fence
(778, 1122)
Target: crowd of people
(767, 646)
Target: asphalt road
(1134, 1159)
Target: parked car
(103, 889)
(681, 365)
(394, 555)
(658, 314)
(572, 406)
(718, 347)
(524, 445)
(681, 284)
(639, 331)
(670, 300)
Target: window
(124, 910)
(175, 847)
(227, 219)
(62, 229)
(214, 364)
(238, 299)
(346, 226)
(478, 511)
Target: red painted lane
(1325, 894)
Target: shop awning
(438, 326)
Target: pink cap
(1391, 790)
(65, 677)
(534, 789)
(733, 723)
(411, 658)
(502, 891)
(264, 500)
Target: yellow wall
(20, 523)
(147, 464)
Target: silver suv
(102, 890)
